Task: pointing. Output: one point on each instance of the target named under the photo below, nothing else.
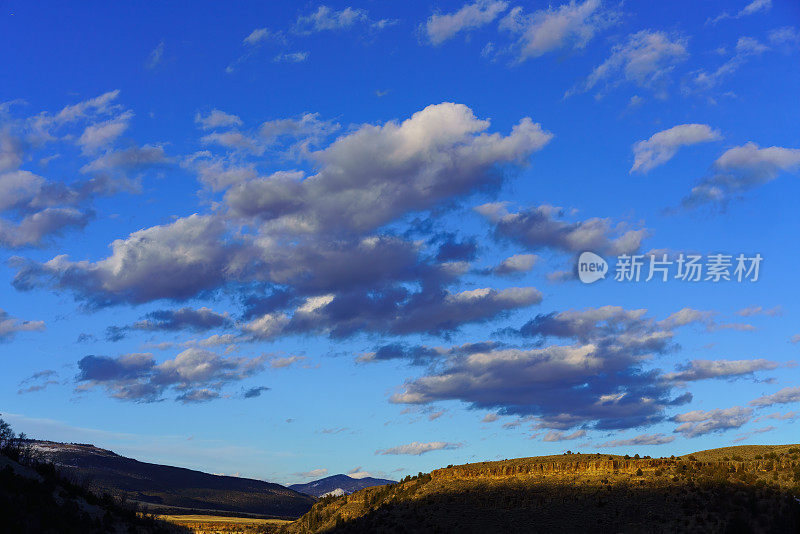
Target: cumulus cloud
(573, 24)
(216, 119)
(173, 261)
(39, 208)
(293, 236)
(587, 324)
(705, 369)
(518, 263)
(698, 422)
(92, 107)
(34, 228)
(557, 435)
(598, 380)
(663, 145)
(542, 227)
(641, 439)
(34, 209)
(741, 169)
(416, 355)
(234, 140)
(645, 59)
(314, 473)
(397, 312)
(128, 159)
(99, 135)
(299, 133)
(784, 396)
(301, 236)
(416, 448)
(441, 27)
(378, 173)
(199, 320)
(10, 326)
(196, 375)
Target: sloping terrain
(347, 484)
(165, 487)
(580, 493)
(37, 499)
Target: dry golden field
(211, 524)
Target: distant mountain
(331, 484)
(164, 487)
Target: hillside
(37, 499)
(162, 487)
(347, 484)
(580, 493)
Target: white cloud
(573, 24)
(441, 27)
(327, 19)
(663, 145)
(175, 260)
(314, 473)
(641, 439)
(753, 7)
(746, 48)
(10, 326)
(699, 422)
(416, 448)
(784, 396)
(518, 263)
(233, 140)
(704, 369)
(645, 59)
(740, 169)
(543, 227)
(260, 35)
(99, 135)
(379, 172)
(557, 435)
(216, 119)
(786, 35)
(760, 310)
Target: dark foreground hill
(333, 483)
(162, 487)
(37, 499)
(747, 492)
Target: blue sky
(285, 240)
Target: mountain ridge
(159, 487)
(346, 483)
(747, 489)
